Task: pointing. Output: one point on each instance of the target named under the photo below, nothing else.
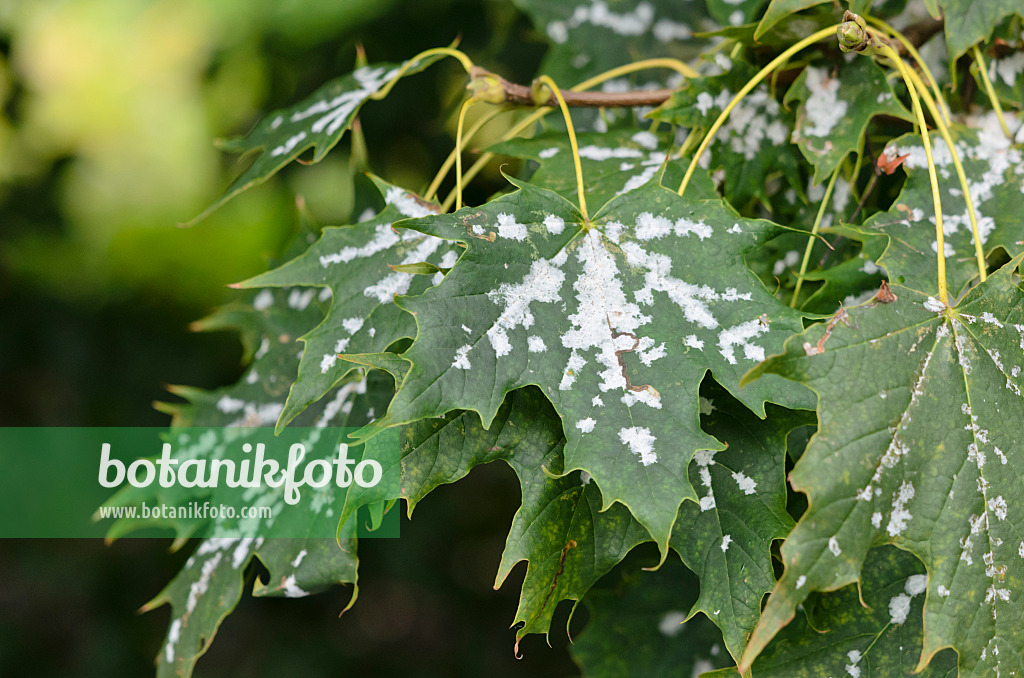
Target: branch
(493, 88)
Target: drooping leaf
(613, 163)
(318, 121)
(560, 530)
(835, 110)
(995, 174)
(350, 265)
(210, 585)
(726, 537)
(876, 631)
(779, 10)
(636, 627)
(753, 144)
(918, 441)
(968, 22)
(542, 298)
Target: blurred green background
(108, 110)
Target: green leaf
(636, 628)
(779, 10)
(589, 37)
(753, 144)
(210, 584)
(835, 110)
(351, 266)
(613, 163)
(919, 434)
(968, 22)
(726, 538)
(993, 170)
(542, 298)
(318, 121)
(851, 632)
(559, 530)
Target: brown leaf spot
(889, 165)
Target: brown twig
(501, 91)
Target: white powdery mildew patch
(800, 581)
(651, 164)
(852, 669)
(962, 348)
(229, 405)
(753, 121)
(998, 506)
(899, 608)
(900, 515)
(745, 483)
(942, 591)
(398, 283)
(461, 361)
(263, 300)
(689, 298)
(586, 425)
(542, 284)
(288, 146)
(383, 238)
(173, 636)
(554, 224)
(605, 153)
(740, 335)
(341, 403)
(202, 584)
(640, 442)
(509, 228)
(535, 344)
(704, 459)
(916, 584)
(299, 299)
(1007, 69)
(934, 305)
(833, 546)
(649, 226)
(548, 153)
(634, 23)
(299, 558)
(604, 320)
(336, 111)
(243, 550)
(407, 204)
(991, 319)
(291, 589)
(788, 260)
(725, 542)
(823, 109)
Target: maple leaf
(318, 121)
(835, 110)
(919, 436)
(540, 297)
